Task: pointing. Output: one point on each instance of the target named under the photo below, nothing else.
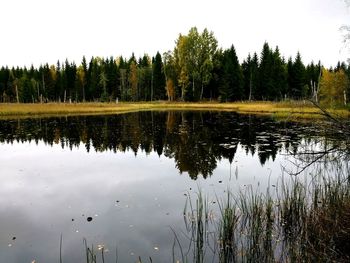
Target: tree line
(196, 69)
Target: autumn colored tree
(333, 87)
(133, 79)
(194, 57)
(170, 89)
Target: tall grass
(301, 222)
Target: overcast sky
(40, 31)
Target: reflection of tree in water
(196, 140)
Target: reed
(301, 222)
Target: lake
(121, 181)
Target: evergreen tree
(216, 81)
(297, 81)
(158, 78)
(232, 85)
(278, 88)
(250, 75)
(265, 85)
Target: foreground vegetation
(300, 222)
(291, 109)
(296, 222)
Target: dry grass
(294, 109)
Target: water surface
(131, 174)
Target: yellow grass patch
(277, 109)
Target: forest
(195, 70)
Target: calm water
(131, 174)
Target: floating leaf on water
(100, 247)
(89, 219)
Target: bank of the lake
(292, 109)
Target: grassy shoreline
(283, 110)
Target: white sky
(40, 31)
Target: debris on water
(96, 215)
(89, 219)
(190, 188)
(220, 182)
(76, 231)
(117, 201)
(156, 248)
(131, 226)
(9, 245)
(273, 185)
(167, 214)
(72, 219)
(13, 238)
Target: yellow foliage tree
(133, 80)
(333, 86)
(170, 89)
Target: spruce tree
(250, 72)
(232, 81)
(297, 80)
(279, 77)
(158, 78)
(266, 85)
